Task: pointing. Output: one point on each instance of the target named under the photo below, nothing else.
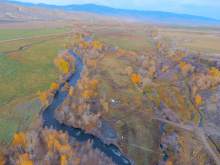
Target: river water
(49, 120)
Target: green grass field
(129, 40)
(7, 34)
(25, 72)
(17, 117)
(22, 74)
(15, 45)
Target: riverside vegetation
(114, 96)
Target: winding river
(49, 120)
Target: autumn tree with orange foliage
(123, 52)
(135, 78)
(63, 160)
(214, 99)
(2, 157)
(203, 81)
(58, 149)
(54, 86)
(185, 68)
(154, 32)
(25, 160)
(174, 58)
(179, 52)
(214, 72)
(198, 100)
(20, 140)
(45, 97)
(75, 36)
(71, 91)
(182, 64)
(194, 89)
(133, 56)
(169, 163)
(65, 63)
(64, 66)
(66, 87)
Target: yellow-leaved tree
(20, 140)
(71, 91)
(24, 160)
(198, 100)
(64, 66)
(169, 163)
(135, 78)
(44, 96)
(77, 161)
(54, 86)
(2, 158)
(63, 160)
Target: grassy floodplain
(22, 74)
(126, 39)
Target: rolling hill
(145, 16)
(17, 12)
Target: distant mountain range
(145, 16)
(17, 12)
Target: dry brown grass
(205, 43)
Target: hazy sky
(208, 8)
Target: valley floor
(139, 90)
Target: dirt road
(200, 131)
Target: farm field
(10, 46)
(7, 34)
(205, 43)
(22, 74)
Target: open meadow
(23, 73)
(201, 40)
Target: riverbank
(104, 80)
(48, 116)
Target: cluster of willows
(78, 108)
(49, 146)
